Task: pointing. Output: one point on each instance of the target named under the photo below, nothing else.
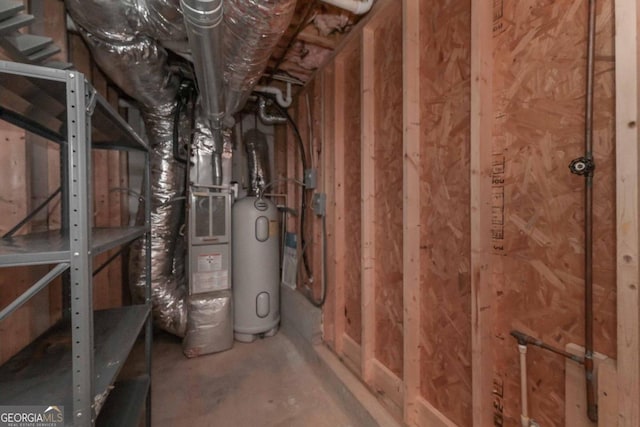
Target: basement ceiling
(316, 29)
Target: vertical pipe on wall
(203, 20)
(592, 408)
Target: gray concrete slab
(263, 384)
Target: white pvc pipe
(524, 416)
(353, 6)
(284, 102)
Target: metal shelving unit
(77, 361)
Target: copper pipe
(592, 407)
(524, 339)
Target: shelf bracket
(33, 213)
(37, 287)
(91, 100)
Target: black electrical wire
(296, 132)
(323, 295)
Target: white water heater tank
(256, 270)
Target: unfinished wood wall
(445, 301)
(31, 166)
(348, 73)
(383, 114)
(31, 171)
(491, 97)
(537, 205)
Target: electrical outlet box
(310, 179)
(319, 204)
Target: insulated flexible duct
(168, 293)
(251, 30)
(123, 21)
(206, 153)
(138, 64)
(138, 67)
(255, 143)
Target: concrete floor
(263, 384)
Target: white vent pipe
(284, 102)
(353, 6)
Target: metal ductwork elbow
(203, 19)
(266, 118)
(257, 160)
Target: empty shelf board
(41, 373)
(53, 247)
(125, 403)
(39, 94)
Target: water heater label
(209, 262)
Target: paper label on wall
(210, 281)
(289, 268)
(209, 262)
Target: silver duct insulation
(227, 157)
(266, 118)
(206, 153)
(138, 64)
(210, 326)
(251, 30)
(125, 39)
(138, 67)
(255, 143)
(124, 20)
(203, 19)
(168, 293)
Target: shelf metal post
(79, 205)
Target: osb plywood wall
(351, 67)
(445, 302)
(538, 232)
(533, 277)
(31, 169)
(387, 202)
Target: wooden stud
(352, 100)
(339, 209)
(607, 393)
(411, 208)
(368, 202)
(352, 354)
(627, 16)
(292, 191)
(481, 127)
(429, 416)
(388, 387)
(328, 167)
